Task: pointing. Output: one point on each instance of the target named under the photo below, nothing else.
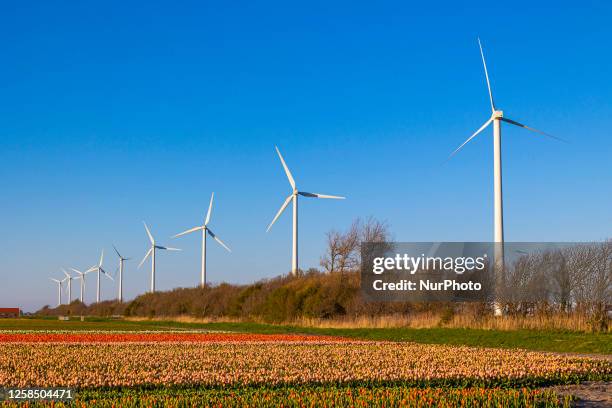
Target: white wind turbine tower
(497, 117)
(69, 278)
(121, 260)
(82, 278)
(205, 230)
(98, 268)
(59, 290)
(151, 252)
(294, 198)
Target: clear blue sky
(114, 113)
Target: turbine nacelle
(119, 255)
(295, 191)
(496, 114)
(205, 230)
(204, 227)
(293, 197)
(98, 268)
(153, 245)
(151, 252)
(82, 274)
(68, 276)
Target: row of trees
(567, 277)
(576, 279)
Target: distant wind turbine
(98, 269)
(205, 230)
(82, 278)
(497, 117)
(294, 198)
(59, 290)
(69, 278)
(121, 260)
(151, 252)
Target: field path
(590, 394)
(607, 357)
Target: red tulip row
(159, 338)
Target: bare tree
(601, 283)
(562, 283)
(330, 260)
(349, 248)
(343, 252)
(374, 230)
(581, 260)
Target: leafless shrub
(343, 251)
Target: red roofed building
(9, 312)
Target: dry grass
(186, 319)
(573, 322)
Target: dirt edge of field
(589, 394)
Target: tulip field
(181, 368)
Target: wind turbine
(98, 268)
(497, 117)
(151, 252)
(82, 277)
(59, 290)
(294, 198)
(205, 230)
(69, 278)
(121, 260)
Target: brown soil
(588, 394)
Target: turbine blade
(66, 273)
(92, 269)
(116, 251)
(187, 232)
(289, 176)
(484, 63)
(101, 257)
(55, 280)
(77, 271)
(317, 195)
(149, 233)
(512, 122)
(209, 209)
(172, 249)
(471, 137)
(216, 238)
(285, 204)
(145, 257)
(167, 248)
(106, 274)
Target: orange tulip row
(231, 363)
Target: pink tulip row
(132, 364)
